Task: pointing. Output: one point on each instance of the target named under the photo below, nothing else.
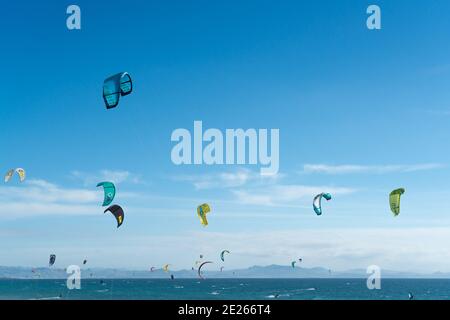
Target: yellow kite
(202, 211)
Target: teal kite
(110, 192)
(222, 254)
(317, 203)
(115, 86)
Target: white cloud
(279, 195)
(28, 209)
(39, 197)
(46, 192)
(376, 169)
(235, 179)
(401, 249)
(438, 69)
(116, 176)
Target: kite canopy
(394, 200)
(52, 260)
(317, 203)
(199, 271)
(84, 261)
(222, 254)
(110, 192)
(9, 175)
(152, 268)
(20, 172)
(166, 268)
(118, 213)
(115, 86)
(202, 211)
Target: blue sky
(359, 112)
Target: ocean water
(227, 289)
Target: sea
(225, 289)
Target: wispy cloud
(46, 192)
(338, 249)
(116, 176)
(234, 179)
(374, 169)
(441, 69)
(248, 187)
(279, 195)
(342, 249)
(438, 112)
(40, 197)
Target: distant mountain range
(271, 271)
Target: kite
(20, 172)
(394, 200)
(166, 268)
(110, 192)
(293, 264)
(317, 203)
(52, 260)
(115, 86)
(9, 175)
(118, 213)
(222, 254)
(200, 268)
(202, 211)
